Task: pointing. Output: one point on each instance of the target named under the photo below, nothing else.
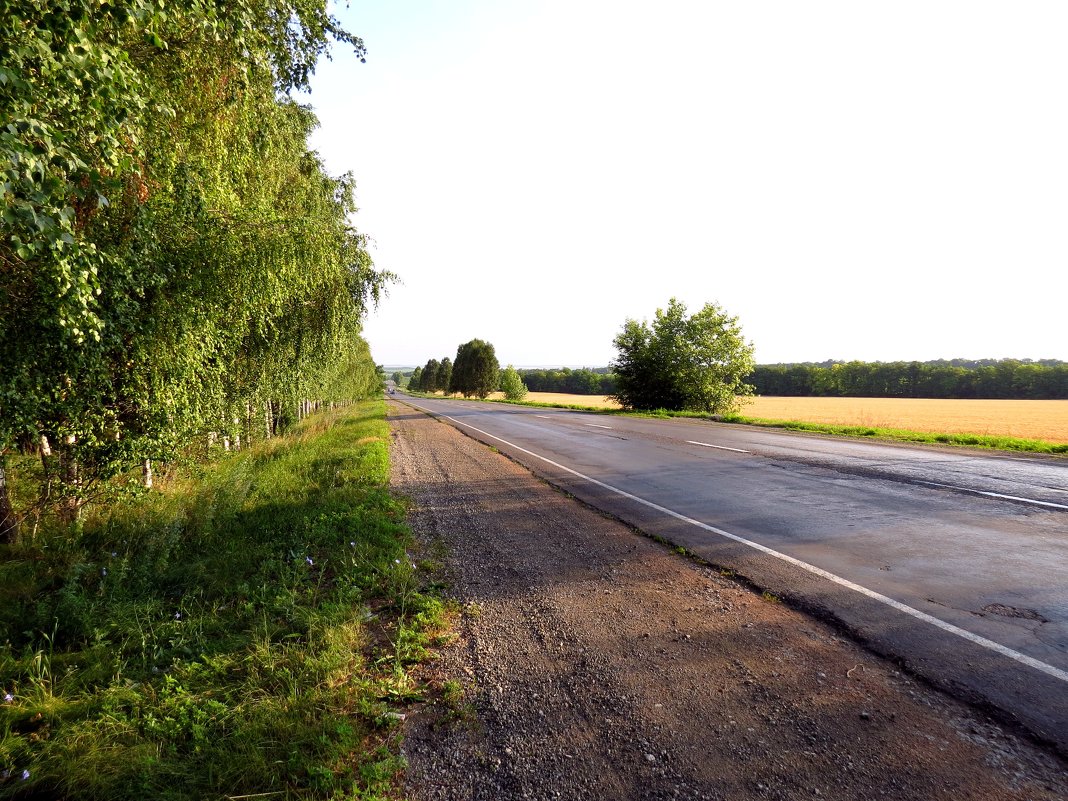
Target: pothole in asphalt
(1012, 611)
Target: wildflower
(308, 559)
(8, 698)
(352, 544)
(177, 615)
(104, 572)
(396, 561)
(114, 554)
(25, 775)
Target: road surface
(954, 563)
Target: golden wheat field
(1027, 419)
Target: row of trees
(600, 381)
(174, 259)
(1006, 378)
(475, 371)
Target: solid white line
(995, 495)
(717, 447)
(596, 426)
(1050, 670)
(543, 416)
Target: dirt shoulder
(596, 663)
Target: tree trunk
(268, 420)
(146, 471)
(9, 523)
(70, 476)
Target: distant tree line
(989, 378)
(586, 381)
(1023, 379)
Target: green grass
(246, 631)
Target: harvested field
(1045, 420)
(594, 401)
(1025, 419)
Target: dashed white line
(594, 425)
(983, 642)
(543, 416)
(1033, 501)
(717, 447)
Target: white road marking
(594, 425)
(997, 647)
(717, 447)
(543, 416)
(995, 495)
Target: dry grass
(1024, 419)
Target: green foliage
(245, 631)
(989, 378)
(476, 369)
(445, 374)
(430, 381)
(512, 384)
(174, 258)
(696, 362)
(584, 381)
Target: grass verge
(247, 632)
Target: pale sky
(853, 180)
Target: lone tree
(697, 363)
(476, 370)
(512, 384)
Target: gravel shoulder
(593, 662)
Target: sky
(852, 180)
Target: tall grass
(245, 631)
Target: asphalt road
(952, 562)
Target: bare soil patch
(594, 663)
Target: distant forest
(1044, 379)
(1022, 379)
(586, 381)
